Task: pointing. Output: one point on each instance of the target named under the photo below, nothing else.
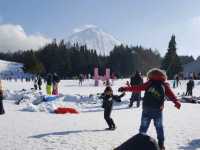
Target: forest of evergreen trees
(71, 60)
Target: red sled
(64, 110)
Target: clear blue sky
(149, 23)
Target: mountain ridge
(94, 38)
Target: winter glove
(121, 89)
(178, 104)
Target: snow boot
(113, 128)
(162, 148)
(161, 145)
(108, 128)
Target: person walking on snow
(136, 80)
(1, 100)
(39, 82)
(190, 86)
(35, 83)
(177, 80)
(156, 88)
(56, 80)
(81, 78)
(108, 99)
(49, 84)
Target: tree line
(69, 60)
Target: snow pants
(135, 97)
(55, 89)
(49, 89)
(39, 86)
(107, 113)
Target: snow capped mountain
(94, 38)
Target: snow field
(22, 130)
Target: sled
(50, 98)
(43, 98)
(64, 110)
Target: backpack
(154, 96)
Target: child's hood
(156, 74)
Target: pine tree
(171, 62)
(32, 64)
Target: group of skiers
(156, 88)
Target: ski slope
(10, 69)
(25, 130)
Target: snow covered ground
(25, 130)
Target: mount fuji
(94, 38)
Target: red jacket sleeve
(169, 93)
(137, 88)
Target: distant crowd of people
(52, 84)
(52, 81)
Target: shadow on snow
(64, 133)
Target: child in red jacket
(153, 102)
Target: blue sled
(50, 98)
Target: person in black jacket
(190, 86)
(108, 98)
(136, 80)
(39, 82)
(35, 83)
(1, 100)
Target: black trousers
(39, 86)
(107, 113)
(189, 92)
(135, 97)
(35, 86)
(1, 107)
